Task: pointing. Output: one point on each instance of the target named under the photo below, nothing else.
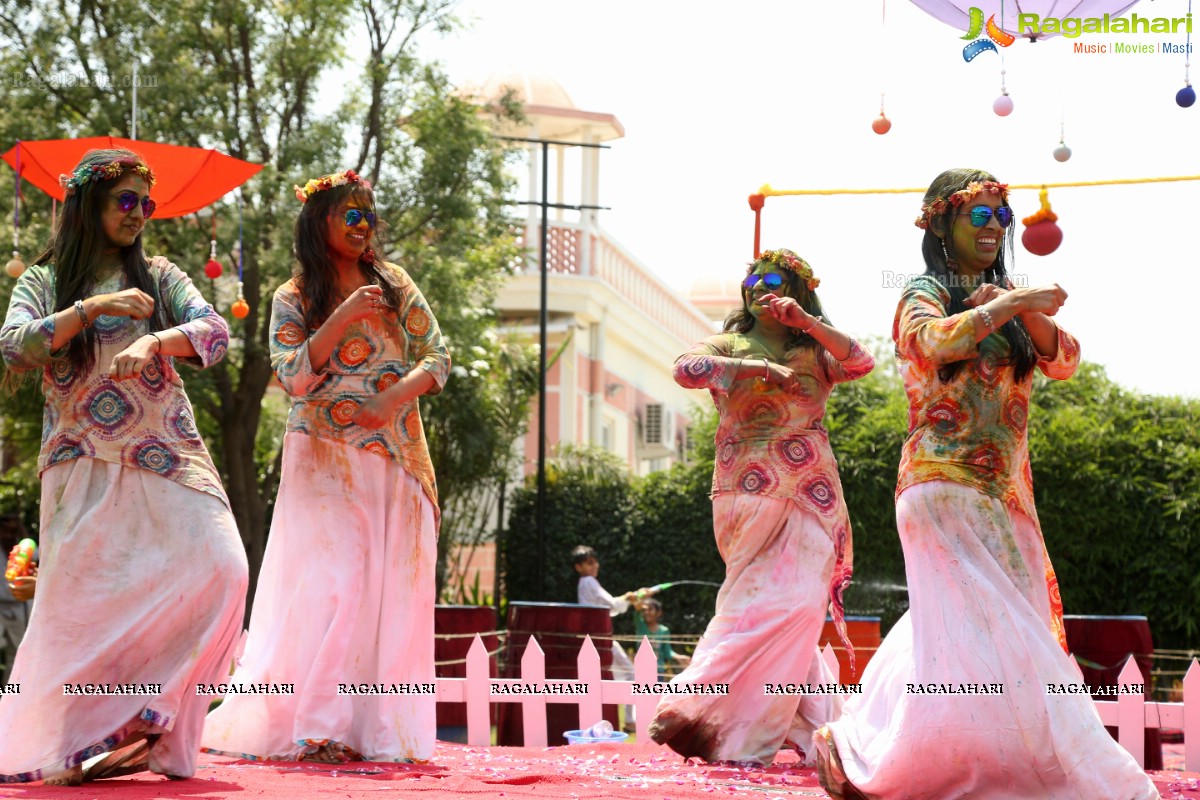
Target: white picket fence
(1129, 713)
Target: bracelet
(155, 335)
(83, 317)
(987, 319)
(767, 367)
(816, 321)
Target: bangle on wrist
(767, 374)
(155, 335)
(987, 319)
(816, 321)
(83, 317)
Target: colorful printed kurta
(142, 573)
(372, 355)
(361, 499)
(144, 422)
(771, 442)
(972, 429)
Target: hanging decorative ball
(1042, 236)
(1062, 152)
(1185, 97)
(15, 267)
(881, 125)
(213, 269)
(240, 308)
(1003, 105)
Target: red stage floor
(579, 772)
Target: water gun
(642, 593)
(19, 559)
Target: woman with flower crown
(344, 606)
(780, 521)
(955, 702)
(142, 581)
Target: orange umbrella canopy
(189, 178)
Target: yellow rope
(767, 191)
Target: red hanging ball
(1042, 238)
(240, 308)
(881, 125)
(213, 269)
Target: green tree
(476, 435)
(243, 77)
(589, 500)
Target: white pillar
(588, 181)
(596, 336)
(559, 170)
(533, 217)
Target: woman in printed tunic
(984, 607)
(142, 581)
(778, 515)
(343, 611)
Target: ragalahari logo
(995, 34)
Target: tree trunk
(239, 430)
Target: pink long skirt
(345, 598)
(769, 615)
(141, 581)
(979, 614)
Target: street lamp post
(543, 315)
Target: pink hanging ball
(1042, 238)
(213, 269)
(1003, 105)
(881, 125)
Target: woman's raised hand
(983, 294)
(1044, 299)
(783, 376)
(787, 311)
(130, 362)
(363, 302)
(132, 303)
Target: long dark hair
(315, 274)
(742, 321)
(1023, 356)
(77, 244)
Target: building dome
(531, 88)
(550, 112)
(716, 296)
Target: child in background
(648, 624)
(591, 593)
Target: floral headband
(788, 260)
(941, 205)
(104, 172)
(328, 182)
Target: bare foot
(70, 777)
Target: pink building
(612, 386)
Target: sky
(718, 99)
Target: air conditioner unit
(658, 428)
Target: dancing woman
(142, 580)
(780, 521)
(985, 617)
(344, 606)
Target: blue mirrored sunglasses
(772, 280)
(357, 215)
(127, 200)
(981, 214)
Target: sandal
(117, 763)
